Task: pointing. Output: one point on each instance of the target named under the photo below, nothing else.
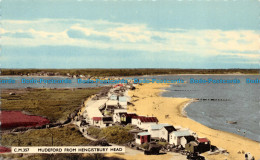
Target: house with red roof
(118, 85)
(144, 122)
(204, 144)
(4, 149)
(102, 121)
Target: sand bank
(147, 101)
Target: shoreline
(183, 112)
(148, 101)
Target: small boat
(232, 122)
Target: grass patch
(69, 135)
(94, 131)
(54, 104)
(113, 134)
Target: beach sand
(147, 101)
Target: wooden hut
(143, 137)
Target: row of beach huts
(109, 110)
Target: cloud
(101, 34)
(18, 35)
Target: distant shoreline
(127, 72)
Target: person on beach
(246, 156)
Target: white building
(161, 131)
(113, 97)
(102, 121)
(175, 137)
(144, 122)
(123, 101)
(116, 115)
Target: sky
(200, 34)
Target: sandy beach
(147, 101)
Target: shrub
(163, 143)
(94, 131)
(116, 135)
(145, 146)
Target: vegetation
(54, 104)
(125, 72)
(163, 143)
(145, 145)
(113, 134)
(68, 135)
(94, 131)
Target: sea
(231, 107)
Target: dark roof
(130, 115)
(107, 119)
(147, 119)
(170, 128)
(189, 138)
(122, 113)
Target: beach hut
(204, 144)
(113, 97)
(97, 121)
(143, 137)
(127, 118)
(164, 133)
(161, 131)
(192, 147)
(118, 85)
(122, 101)
(155, 130)
(107, 121)
(144, 122)
(186, 139)
(117, 115)
(102, 121)
(175, 136)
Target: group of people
(248, 156)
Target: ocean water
(241, 103)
